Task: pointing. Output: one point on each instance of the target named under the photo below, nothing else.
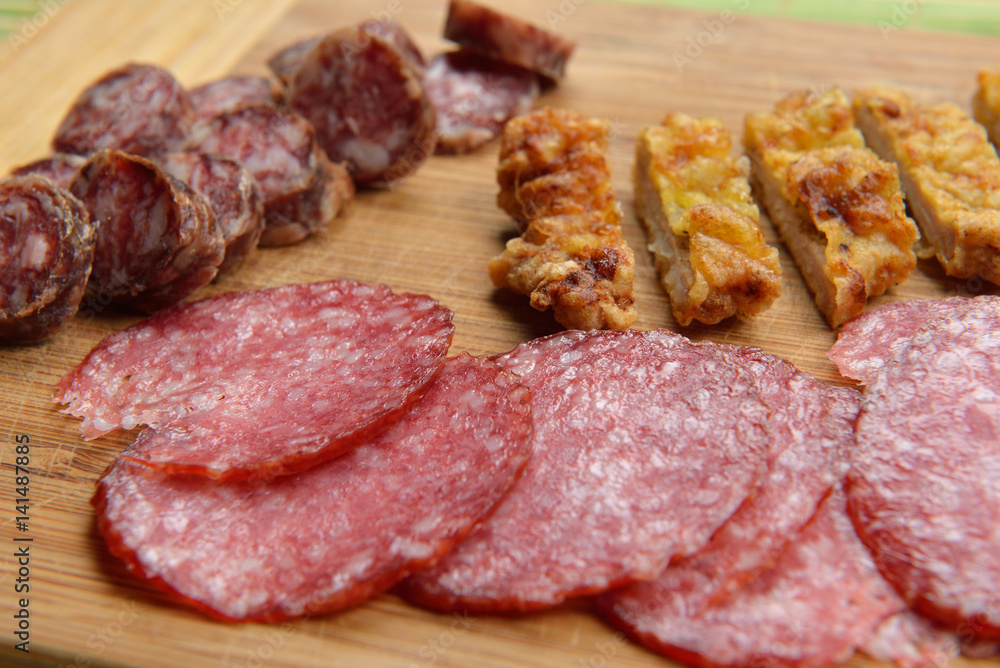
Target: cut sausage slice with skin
(327, 365)
(46, 253)
(157, 240)
(332, 536)
(61, 168)
(139, 108)
(302, 190)
(644, 444)
(230, 93)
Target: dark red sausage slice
(255, 384)
(46, 251)
(139, 108)
(339, 533)
(302, 190)
(233, 194)
(230, 93)
(644, 445)
(61, 168)
(157, 241)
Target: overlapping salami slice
(233, 194)
(474, 96)
(230, 93)
(811, 428)
(924, 490)
(821, 600)
(368, 105)
(332, 536)
(644, 445)
(510, 40)
(868, 342)
(139, 108)
(909, 640)
(256, 384)
(46, 252)
(157, 240)
(61, 168)
(302, 190)
(285, 62)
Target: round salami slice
(46, 251)
(285, 62)
(924, 490)
(61, 168)
(821, 600)
(139, 108)
(233, 194)
(644, 444)
(302, 190)
(909, 640)
(157, 241)
(255, 384)
(368, 105)
(867, 343)
(330, 537)
(230, 93)
(507, 39)
(474, 96)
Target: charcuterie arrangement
(715, 503)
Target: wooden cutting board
(433, 234)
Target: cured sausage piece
(61, 168)
(233, 194)
(229, 93)
(911, 641)
(507, 39)
(822, 599)
(474, 96)
(302, 190)
(923, 488)
(285, 62)
(368, 105)
(644, 444)
(364, 520)
(868, 342)
(255, 384)
(139, 108)
(811, 429)
(157, 241)
(46, 251)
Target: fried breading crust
(838, 208)
(703, 226)
(950, 172)
(986, 103)
(571, 257)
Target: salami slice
(644, 444)
(139, 108)
(474, 96)
(46, 251)
(822, 599)
(867, 343)
(510, 40)
(233, 194)
(285, 62)
(302, 190)
(256, 384)
(230, 93)
(811, 427)
(924, 490)
(339, 533)
(909, 640)
(157, 241)
(61, 168)
(368, 105)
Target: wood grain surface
(434, 234)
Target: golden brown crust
(950, 172)
(986, 103)
(571, 257)
(702, 224)
(838, 207)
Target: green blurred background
(971, 16)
